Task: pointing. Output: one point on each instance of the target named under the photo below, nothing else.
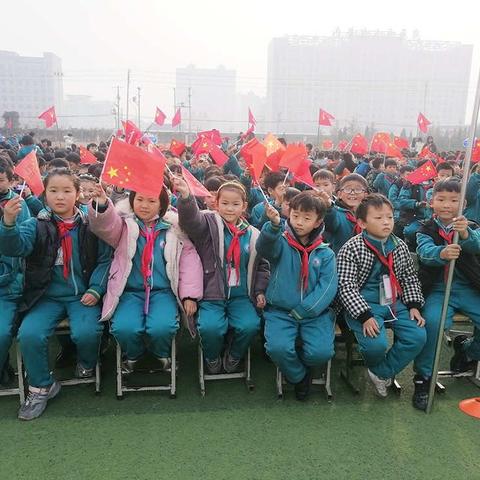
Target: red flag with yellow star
(217, 154)
(426, 172)
(86, 157)
(177, 147)
(130, 167)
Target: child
(340, 221)
(393, 195)
(435, 250)
(11, 276)
(377, 168)
(324, 181)
(234, 276)
(290, 193)
(65, 275)
(299, 255)
(378, 284)
(154, 267)
(275, 186)
(387, 178)
(88, 185)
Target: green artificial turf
(232, 434)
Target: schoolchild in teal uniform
(393, 195)
(435, 250)
(340, 220)
(65, 275)
(11, 276)
(387, 178)
(378, 284)
(275, 187)
(235, 277)
(299, 255)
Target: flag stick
(149, 127)
(23, 188)
(286, 176)
(451, 268)
(263, 193)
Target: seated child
(377, 283)
(300, 310)
(435, 251)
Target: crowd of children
(279, 258)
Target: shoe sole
(51, 394)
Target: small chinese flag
(304, 175)
(159, 117)
(274, 151)
(217, 154)
(427, 153)
(325, 118)
(476, 151)
(342, 145)
(359, 145)
(255, 155)
(177, 147)
(391, 150)
(132, 133)
(327, 145)
(49, 117)
(423, 122)
(213, 135)
(86, 157)
(294, 157)
(251, 118)
(426, 172)
(29, 171)
(130, 167)
(249, 131)
(379, 142)
(177, 118)
(196, 188)
(401, 142)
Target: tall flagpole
(451, 268)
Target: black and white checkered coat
(355, 262)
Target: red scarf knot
(305, 254)
(146, 264)
(353, 219)
(387, 262)
(234, 250)
(64, 230)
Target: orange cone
(470, 406)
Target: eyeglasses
(350, 191)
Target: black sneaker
(420, 395)
(302, 388)
(460, 363)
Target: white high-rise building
(212, 95)
(30, 85)
(366, 77)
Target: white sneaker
(380, 384)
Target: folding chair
(124, 386)
(20, 388)
(323, 379)
(63, 328)
(245, 373)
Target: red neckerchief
(448, 237)
(387, 262)
(304, 252)
(146, 264)
(234, 250)
(64, 229)
(353, 219)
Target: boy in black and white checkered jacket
(378, 284)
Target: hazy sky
(99, 39)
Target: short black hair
(390, 162)
(376, 162)
(446, 166)
(375, 200)
(406, 168)
(324, 174)
(100, 156)
(74, 158)
(212, 184)
(163, 197)
(58, 163)
(272, 179)
(290, 193)
(447, 185)
(27, 140)
(307, 202)
(6, 169)
(353, 177)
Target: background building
(364, 78)
(212, 94)
(30, 85)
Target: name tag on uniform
(59, 259)
(386, 292)
(232, 277)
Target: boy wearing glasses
(340, 221)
